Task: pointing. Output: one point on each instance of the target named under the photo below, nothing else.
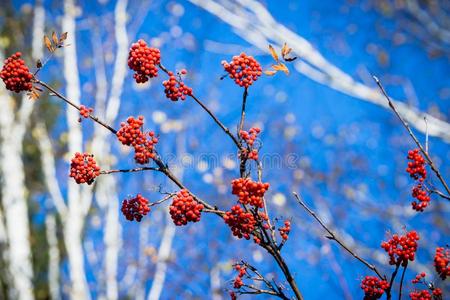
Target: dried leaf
(281, 67)
(63, 37)
(285, 50)
(270, 73)
(54, 38)
(48, 44)
(273, 53)
(33, 95)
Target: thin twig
(401, 282)
(129, 170)
(94, 118)
(391, 282)
(244, 103)
(335, 238)
(210, 113)
(424, 151)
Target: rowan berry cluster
(185, 208)
(244, 69)
(401, 248)
(416, 166)
(83, 168)
(419, 277)
(242, 270)
(242, 223)
(15, 74)
(135, 208)
(249, 138)
(441, 262)
(426, 295)
(144, 61)
(131, 134)
(175, 89)
(285, 230)
(249, 191)
(419, 193)
(373, 287)
(85, 112)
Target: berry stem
(401, 281)
(391, 282)
(241, 126)
(332, 236)
(210, 113)
(54, 92)
(129, 170)
(424, 152)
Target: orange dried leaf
(63, 37)
(281, 67)
(270, 73)
(273, 53)
(54, 38)
(48, 43)
(285, 50)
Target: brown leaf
(273, 53)
(63, 37)
(270, 73)
(54, 38)
(285, 50)
(48, 44)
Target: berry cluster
(373, 287)
(185, 208)
(249, 191)
(144, 61)
(249, 138)
(285, 230)
(244, 69)
(83, 168)
(135, 208)
(426, 295)
(242, 270)
(241, 223)
(419, 278)
(416, 166)
(419, 193)
(131, 134)
(85, 112)
(176, 89)
(441, 262)
(15, 74)
(401, 248)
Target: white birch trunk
(53, 257)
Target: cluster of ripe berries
(242, 223)
(185, 208)
(436, 293)
(242, 270)
(174, 88)
(83, 168)
(131, 134)
(441, 262)
(135, 208)
(417, 171)
(144, 61)
(244, 69)
(249, 191)
(285, 230)
(15, 74)
(249, 138)
(85, 112)
(373, 287)
(401, 248)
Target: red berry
(185, 208)
(422, 197)
(401, 248)
(135, 208)
(249, 191)
(373, 287)
(85, 112)
(441, 262)
(15, 74)
(242, 270)
(131, 134)
(241, 223)
(83, 168)
(144, 61)
(249, 138)
(176, 89)
(244, 69)
(416, 166)
(285, 230)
